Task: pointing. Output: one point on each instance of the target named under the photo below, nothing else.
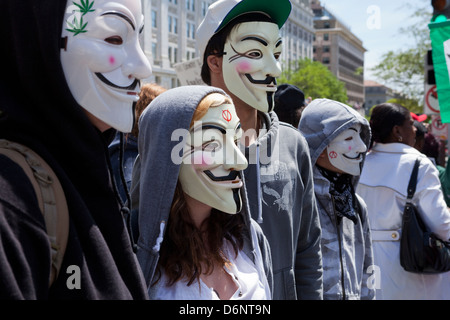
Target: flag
(440, 44)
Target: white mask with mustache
(211, 163)
(250, 64)
(102, 58)
(345, 151)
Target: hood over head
(323, 120)
(162, 131)
(38, 110)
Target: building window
(154, 49)
(154, 19)
(326, 37)
(173, 25)
(204, 7)
(190, 5)
(190, 30)
(326, 60)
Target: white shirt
(242, 271)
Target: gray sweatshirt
(155, 175)
(346, 246)
(279, 183)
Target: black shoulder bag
(420, 250)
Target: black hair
(383, 119)
(289, 103)
(421, 130)
(217, 42)
(431, 147)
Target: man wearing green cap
(240, 45)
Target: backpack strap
(50, 196)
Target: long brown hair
(187, 251)
(184, 253)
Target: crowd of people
(236, 189)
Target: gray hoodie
(344, 243)
(279, 182)
(155, 175)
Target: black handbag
(420, 250)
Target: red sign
(431, 99)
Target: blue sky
(377, 24)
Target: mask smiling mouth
(270, 82)
(358, 157)
(130, 89)
(233, 179)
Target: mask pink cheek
(202, 161)
(243, 67)
(112, 60)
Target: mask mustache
(267, 81)
(232, 176)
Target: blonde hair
(210, 101)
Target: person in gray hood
(338, 138)
(196, 238)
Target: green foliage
(404, 69)
(410, 104)
(315, 80)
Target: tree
(410, 104)
(404, 69)
(315, 80)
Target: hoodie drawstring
(258, 186)
(160, 238)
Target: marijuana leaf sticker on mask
(75, 22)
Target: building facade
(341, 51)
(377, 93)
(169, 35)
(298, 33)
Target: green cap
(278, 10)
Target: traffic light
(441, 10)
(429, 69)
(431, 101)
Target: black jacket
(38, 110)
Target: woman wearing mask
(196, 238)
(383, 185)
